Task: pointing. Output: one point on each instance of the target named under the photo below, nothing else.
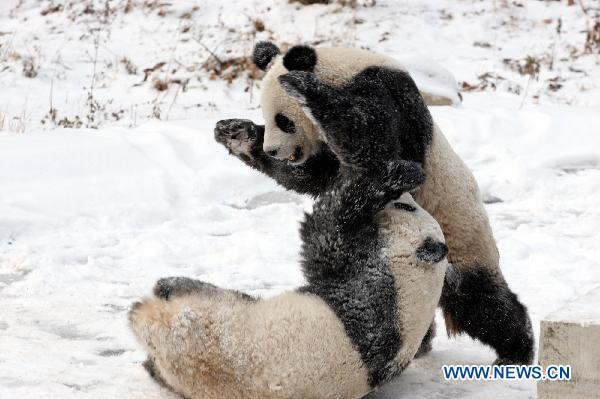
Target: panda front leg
(171, 287)
(360, 128)
(344, 215)
(244, 140)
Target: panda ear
(431, 251)
(300, 58)
(263, 54)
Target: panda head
(289, 133)
(416, 235)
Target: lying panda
(374, 269)
(311, 91)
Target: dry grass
(231, 69)
(129, 66)
(592, 40)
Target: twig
(211, 52)
(558, 29)
(580, 2)
(95, 62)
(525, 93)
(51, 93)
(173, 102)
(172, 56)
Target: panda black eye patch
(285, 124)
(404, 206)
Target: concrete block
(571, 336)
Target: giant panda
(309, 91)
(374, 263)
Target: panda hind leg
(482, 305)
(182, 333)
(171, 287)
(244, 140)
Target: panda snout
(296, 156)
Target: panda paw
(402, 176)
(170, 287)
(240, 136)
(300, 85)
(165, 288)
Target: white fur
(451, 195)
(418, 284)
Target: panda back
(338, 65)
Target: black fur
(404, 206)
(432, 251)
(285, 124)
(300, 58)
(170, 287)
(263, 54)
(482, 305)
(342, 263)
(379, 106)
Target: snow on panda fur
(309, 91)
(371, 293)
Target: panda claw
(239, 136)
(506, 362)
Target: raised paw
(300, 85)
(241, 137)
(402, 176)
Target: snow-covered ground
(90, 218)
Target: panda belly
(451, 195)
(418, 284)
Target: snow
(90, 218)
(583, 310)
(431, 77)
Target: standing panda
(374, 267)
(310, 91)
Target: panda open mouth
(297, 156)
